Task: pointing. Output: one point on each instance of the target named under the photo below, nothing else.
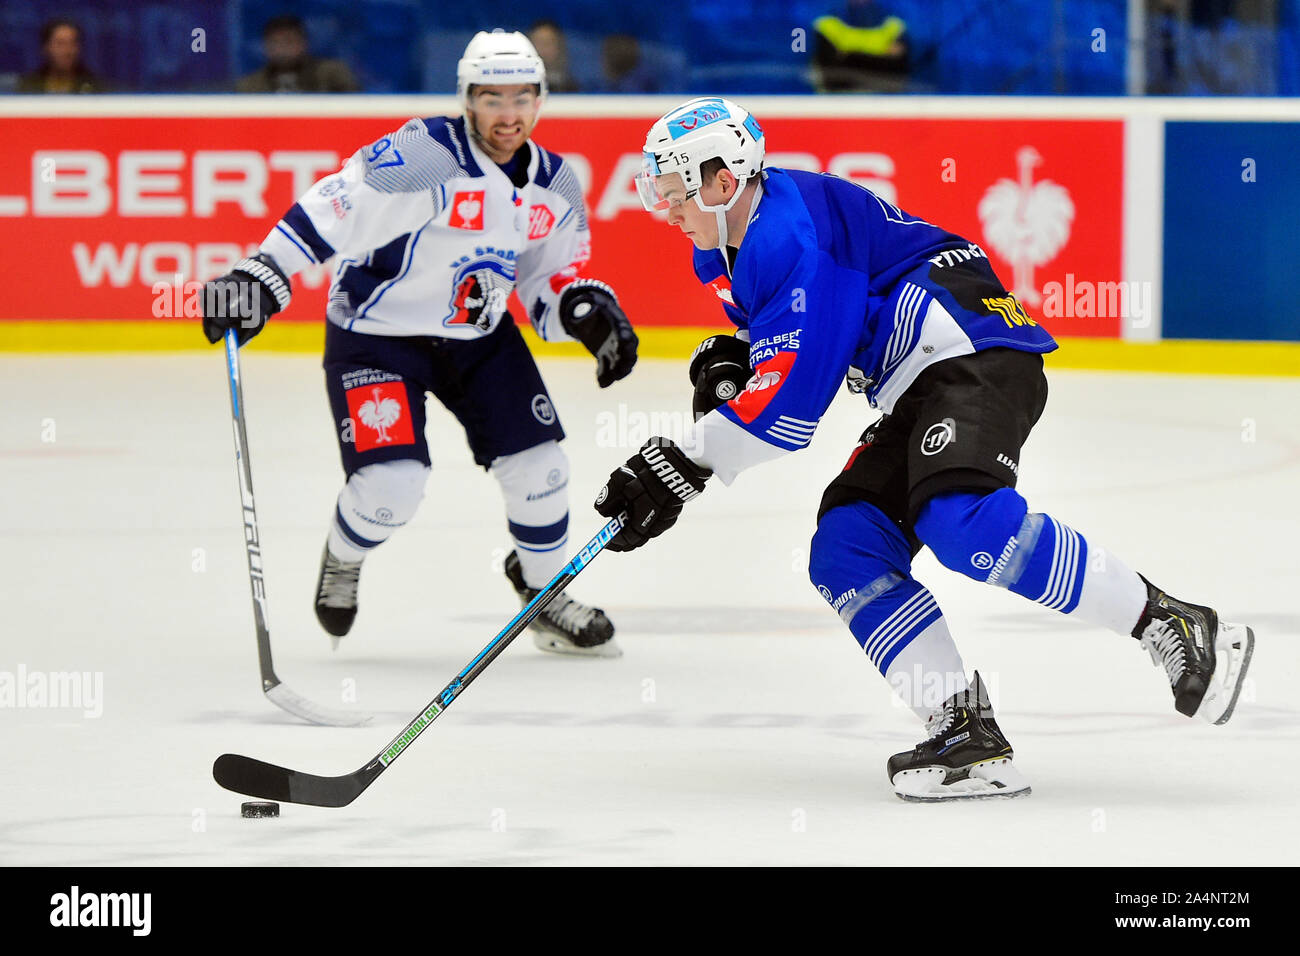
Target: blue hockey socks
(861, 564)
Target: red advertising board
(98, 212)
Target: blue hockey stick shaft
(503, 639)
(256, 778)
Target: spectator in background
(625, 71)
(1231, 48)
(548, 39)
(290, 68)
(61, 69)
(864, 52)
(1163, 71)
(1214, 47)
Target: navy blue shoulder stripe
(548, 164)
(298, 220)
(450, 133)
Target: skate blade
(992, 780)
(1234, 644)
(554, 644)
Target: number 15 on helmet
(684, 138)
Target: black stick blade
(256, 778)
(252, 778)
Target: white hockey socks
(535, 486)
(928, 670)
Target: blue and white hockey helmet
(498, 59)
(685, 138)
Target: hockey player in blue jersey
(431, 228)
(827, 282)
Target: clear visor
(648, 190)
(658, 191)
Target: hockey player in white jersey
(430, 229)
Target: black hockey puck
(255, 809)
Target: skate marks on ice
(1277, 722)
(39, 452)
(1270, 623)
(862, 726)
(257, 714)
(675, 619)
(301, 835)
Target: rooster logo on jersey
(481, 288)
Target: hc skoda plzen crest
(480, 289)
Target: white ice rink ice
(742, 726)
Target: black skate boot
(565, 626)
(336, 595)
(966, 757)
(1204, 658)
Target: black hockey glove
(651, 487)
(244, 298)
(719, 370)
(591, 314)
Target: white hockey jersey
(431, 237)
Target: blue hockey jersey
(831, 283)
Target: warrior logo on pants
(937, 437)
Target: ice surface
(743, 725)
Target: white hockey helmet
(498, 59)
(685, 138)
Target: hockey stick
(256, 778)
(274, 689)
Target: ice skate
(966, 757)
(565, 626)
(336, 595)
(1204, 658)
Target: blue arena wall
(1231, 230)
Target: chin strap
(720, 211)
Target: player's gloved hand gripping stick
(649, 490)
(244, 298)
(256, 778)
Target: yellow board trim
(1186, 356)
